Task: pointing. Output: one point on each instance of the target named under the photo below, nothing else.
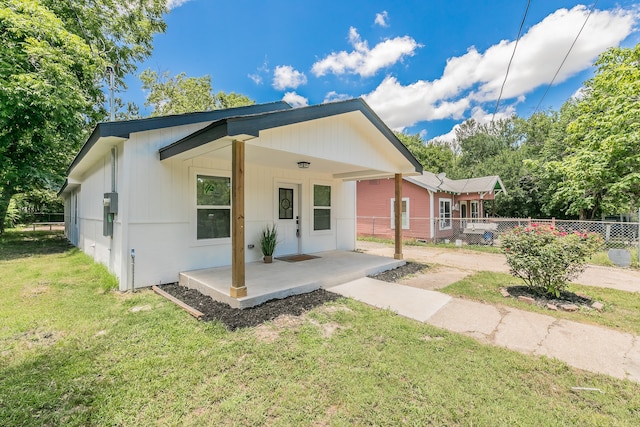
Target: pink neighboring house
(430, 205)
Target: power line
(565, 57)
(511, 59)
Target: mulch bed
(295, 305)
(566, 298)
(236, 318)
(400, 272)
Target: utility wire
(511, 59)
(566, 56)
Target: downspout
(432, 226)
(113, 169)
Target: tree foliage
(183, 94)
(47, 95)
(600, 175)
(53, 56)
(434, 156)
(118, 31)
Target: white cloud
(364, 61)
(474, 79)
(382, 19)
(401, 106)
(285, 76)
(172, 4)
(578, 94)
(295, 100)
(257, 77)
(334, 96)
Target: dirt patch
(34, 338)
(435, 278)
(235, 318)
(269, 332)
(40, 289)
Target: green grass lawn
(73, 351)
(621, 309)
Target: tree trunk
(582, 216)
(5, 199)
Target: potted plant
(268, 242)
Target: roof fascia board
(124, 129)
(210, 133)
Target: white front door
(288, 208)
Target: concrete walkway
(587, 347)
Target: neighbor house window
(321, 207)
(445, 214)
(213, 200)
(405, 213)
(475, 211)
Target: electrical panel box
(111, 200)
(110, 209)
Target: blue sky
(423, 66)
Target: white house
(195, 190)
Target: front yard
(73, 351)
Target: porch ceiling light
(303, 165)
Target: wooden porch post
(398, 216)
(238, 287)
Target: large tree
(183, 94)
(47, 93)
(53, 57)
(600, 175)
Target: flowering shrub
(545, 257)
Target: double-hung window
(475, 209)
(405, 213)
(213, 200)
(445, 214)
(321, 207)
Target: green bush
(546, 258)
(12, 217)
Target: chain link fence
(487, 231)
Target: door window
(285, 203)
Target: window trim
(193, 215)
(314, 207)
(406, 226)
(441, 218)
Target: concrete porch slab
(281, 279)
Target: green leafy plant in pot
(268, 242)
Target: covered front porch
(283, 278)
